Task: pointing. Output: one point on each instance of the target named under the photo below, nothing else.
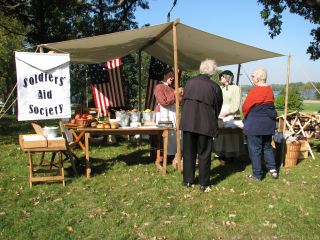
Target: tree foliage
(8, 43)
(55, 20)
(308, 9)
(294, 99)
(45, 21)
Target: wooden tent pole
(285, 109)
(238, 73)
(139, 67)
(176, 86)
(287, 93)
(160, 35)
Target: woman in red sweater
(259, 124)
(165, 108)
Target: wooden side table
(34, 169)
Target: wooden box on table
(56, 142)
(32, 141)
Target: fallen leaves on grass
(125, 214)
(187, 196)
(25, 213)
(57, 200)
(268, 224)
(229, 223)
(70, 229)
(286, 181)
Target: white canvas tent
(174, 43)
(193, 46)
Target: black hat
(228, 73)
(167, 70)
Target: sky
(240, 21)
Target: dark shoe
(251, 177)
(188, 185)
(273, 173)
(205, 188)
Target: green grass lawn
(307, 108)
(127, 198)
(311, 107)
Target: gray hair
(261, 73)
(208, 67)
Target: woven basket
(292, 154)
(83, 122)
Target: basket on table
(83, 122)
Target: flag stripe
(96, 97)
(102, 99)
(106, 100)
(109, 93)
(119, 65)
(150, 99)
(112, 65)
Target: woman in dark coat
(202, 101)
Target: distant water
(309, 94)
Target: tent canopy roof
(193, 47)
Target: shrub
(294, 100)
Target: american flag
(156, 71)
(107, 89)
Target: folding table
(40, 168)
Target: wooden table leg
(61, 168)
(158, 158)
(30, 169)
(86, 141)
(165, 150)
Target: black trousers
(193, 144)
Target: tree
(56, 20)
(294, 99)
(8, 43)
(309, 9)
(47, 21)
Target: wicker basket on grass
(292, 154)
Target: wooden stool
(40, 168)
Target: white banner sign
(43, 83)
